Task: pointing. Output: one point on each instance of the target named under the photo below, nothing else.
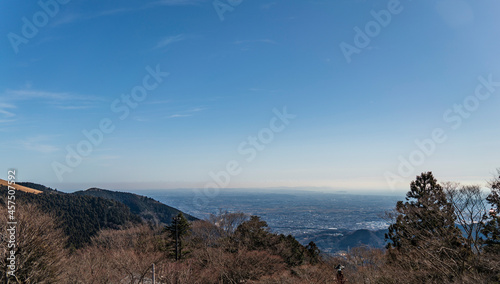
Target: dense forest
(441, 233)
(80, 217)
(146, 207)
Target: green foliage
(254, 234)
(81, 217)
(424, 237)
(313, 252)
(177, 231)
(425, 215)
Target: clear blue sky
(356, 113)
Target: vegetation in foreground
(441, 233)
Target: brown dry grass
(20, 187)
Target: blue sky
(356, 116)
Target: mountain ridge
(146, 207)
(20, 187)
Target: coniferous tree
(179, 228)
(424, 236)
(492, 226)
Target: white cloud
(5, 113)
(179, 115)
(60, 100)
(268, 41)
(267, 6)
(72, 17)
(196, 109)
(26, 94)
(177, 2)
(187, 113)
(169, 40)
(38, 144)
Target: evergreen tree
(313, 252)
(254, 234)
(492, 226)
(179, 228)
(424, 235)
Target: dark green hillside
(334, 241)
(80, 217)
(148, 208)
(362, 238)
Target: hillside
(333, 241)
(21, 187)
(147, 208)
(80, 217)
(38, 187)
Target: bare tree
(39, 246)
(118, 256)
(470, 210)
(228, 222)
(217, 230)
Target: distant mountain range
(331, 241)
(84, 213)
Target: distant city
(303, 214)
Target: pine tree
(179, 228)
(313, 252)
(492, 226)
(424, 233)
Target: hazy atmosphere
(341, 95)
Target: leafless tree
(228, 222)
(39, 246)
(119, 256)
(470, 210)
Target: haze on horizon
(342, 95)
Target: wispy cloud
(66, 19)
(140, 119)
(179, 115)
(267, 6)
(187, 113)
(74, 17)
(69, 18)
(197, 109)
(5, 113)
(28, 94)
(60, 100)
(38, 144)
(74, 107)
(177, 2)
(169, 40)
(268, 41)
(158, 102)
